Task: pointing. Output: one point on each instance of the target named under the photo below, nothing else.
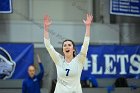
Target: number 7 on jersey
(67, 70)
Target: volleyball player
(69, 66)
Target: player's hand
(47, 22)
(88, 20)
(38, 58)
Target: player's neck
(68, 58)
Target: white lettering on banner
(135, 63)
(94, 65)
(109, 59)
(121, 59)
(110, 68)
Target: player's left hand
(88, 20)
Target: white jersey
(68, 74)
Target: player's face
(68, 48)
(31, 71)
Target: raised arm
(87, 23)
(41, 73)
(54, 55)
(47, 23)
(85, 45)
